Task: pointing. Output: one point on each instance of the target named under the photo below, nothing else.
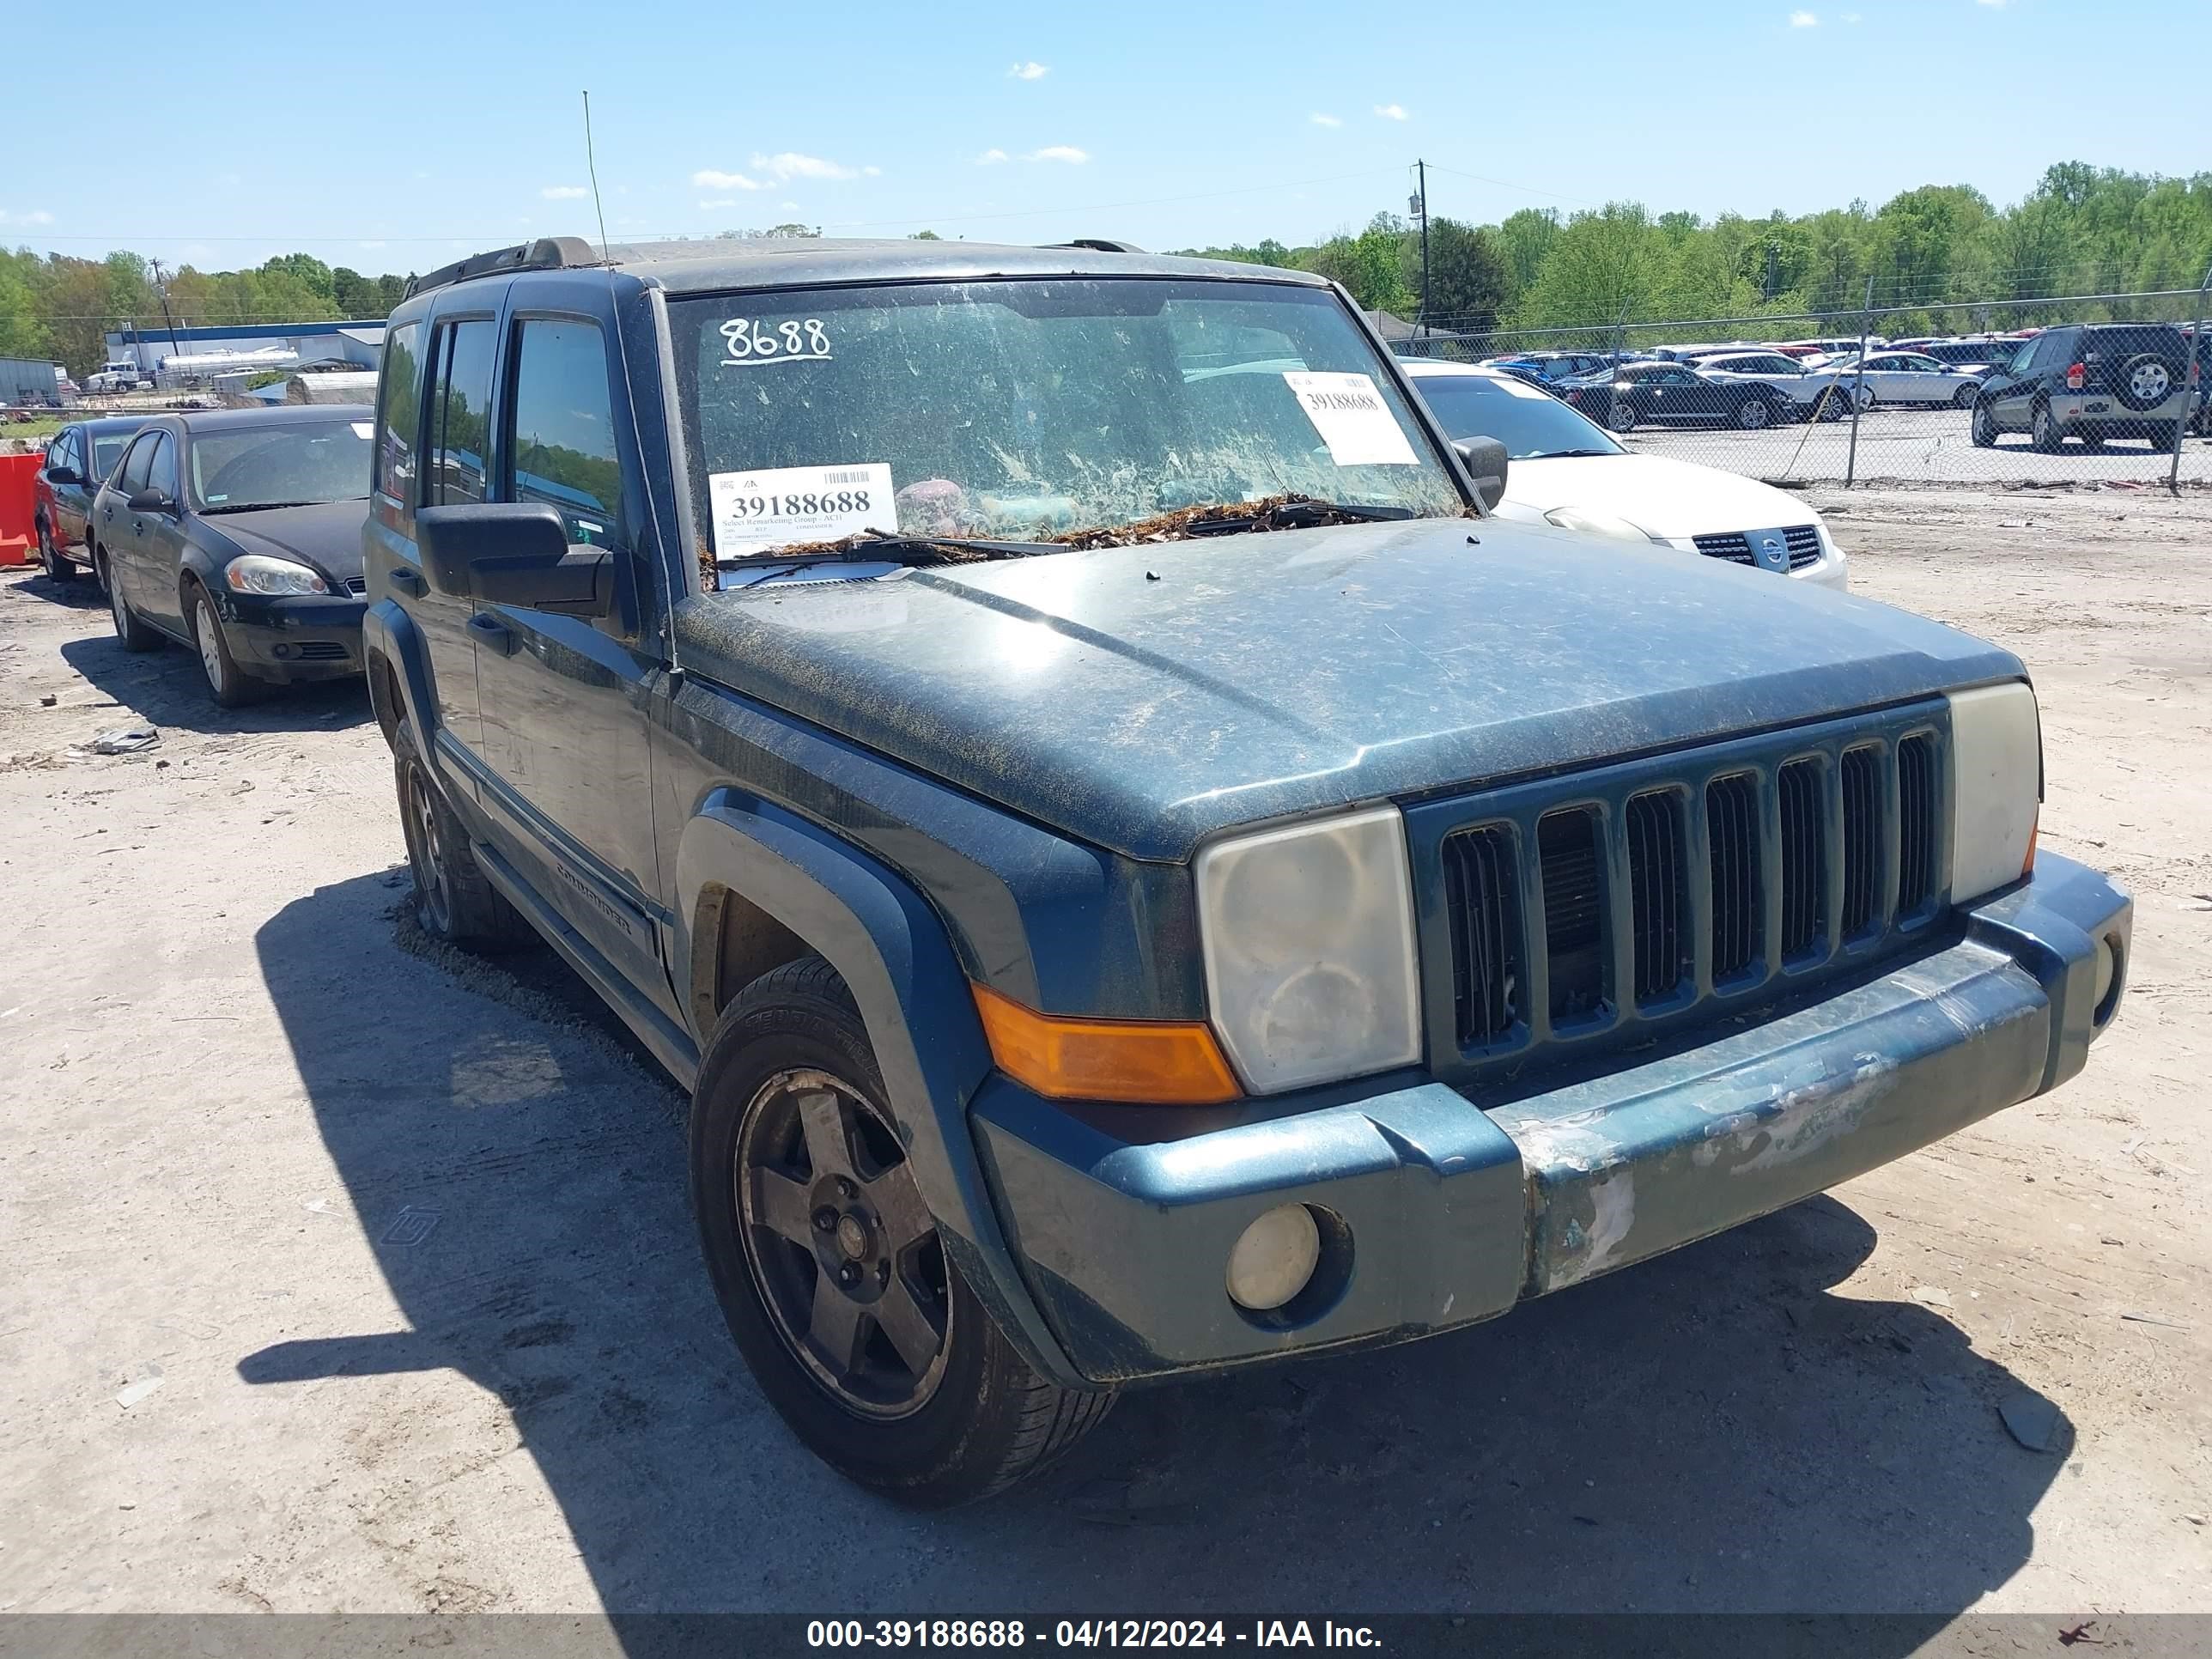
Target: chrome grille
(1584, 907)
(1733, 546)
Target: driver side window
(161, 469)
(130, 476)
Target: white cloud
(708, 179)
(35, 216)
(872, 173)
(1321, 120)
(1030, 71)
(787, 165)
(565, 192)
(1391, 112)
(788, 206)
(1803, 20)
(372, 244)
(1851, 17)
(1996, 5)
(719, 201)
(990, 158)
(1066, 153)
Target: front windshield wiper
(1568, 454)
(255, 506)
(865, 546)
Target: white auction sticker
(1522, 389)
(1353, 419)
(364, 429)
(756, 512)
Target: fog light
(2103, 973)
(1274, 1258)
(279, 650)
(2107, 1001)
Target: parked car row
(2091, 383)
(234, 532)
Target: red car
(77, 460)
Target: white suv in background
(1564, 471)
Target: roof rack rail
(1099, 245)
(546, 254)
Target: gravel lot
(342, 1275)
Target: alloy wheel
(426, 854)
(845, 1254)
(210, 643)
(117, 605)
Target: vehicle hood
(1663, 497)
(326, 535)
(1142, 698)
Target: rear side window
(399, 413)
(460, 413)
(562, 439)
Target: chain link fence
(2104, 387)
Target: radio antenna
(591, 165)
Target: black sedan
(1671, 394)
(238, 532)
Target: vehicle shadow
(1717, 1430)
(166, 686)
(81, 594)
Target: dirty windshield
(1034, 411)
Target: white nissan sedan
(1565, 471)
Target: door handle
(489, 631)
(408, 581)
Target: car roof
(1420, 368)
(713, 263)
(223, 420)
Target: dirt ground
(341, 1274)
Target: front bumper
(296, 636)
(1440, 1214)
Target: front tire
(231, 686)
(831, 1273)
(454, 901)
(1982, 427)
(1622, 416)
(1963, 397)
(1753, 414)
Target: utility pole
(1420, 206)
(159, 288)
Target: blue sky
(427, 131)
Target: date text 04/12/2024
(1087, 1633)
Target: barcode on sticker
(829, 479)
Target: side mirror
(150, 501)
(513, 553)
(64, 475)
(1486, 462)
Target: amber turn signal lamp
(1149, 1061)
(2027, 864)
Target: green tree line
(2081, 230)
(60, 307)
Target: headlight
(1997, 786)
(1308, 935)
(1598, 524)
(257, 573)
